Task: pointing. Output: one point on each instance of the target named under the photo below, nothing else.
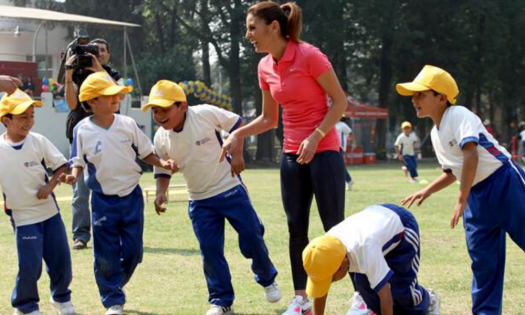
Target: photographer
(74, 76)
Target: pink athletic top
(293, 83)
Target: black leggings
(322, 177)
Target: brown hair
(288, 15)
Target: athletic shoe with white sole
(299, 306)
(434, 308)
(273, 293)
(220, 310)
(358, 306)
(115, 310)
(65, 308)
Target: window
(42, 70)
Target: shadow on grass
(172, 251)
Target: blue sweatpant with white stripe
(208, 218)
(409, 297)
(44, 240)
(496, 205)
(411, 164)
(118, 225)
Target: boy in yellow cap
(191, 137)
(31, 204)
(105, 146)
(379, 248)
(405, 146)
(491, 197)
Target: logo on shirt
(31, 164)
(100, 221)
(452, 143)
(98, 148)
(202, 141)
(29, 238)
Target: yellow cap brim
(19, 109)
(112, 90)
(158, 102)
(317, 289)
(409, 88)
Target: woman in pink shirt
(300, 77)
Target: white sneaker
(414, 180)
(115, 310)
(18, 312)
(65, 308)
(220, 310)
(273, 293)
(349, 185)
(299, 306)
(358, 306)
(434, 307)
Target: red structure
(27, 69)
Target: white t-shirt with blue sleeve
(196, 150)
(368, 236)
(23, 171)
(460, 126)
(108, 156)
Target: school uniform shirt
(23, 171)
(196, 150)
(343, 130)
(292, 82)
(522, 135)
(108, 156)
(406, 143)
(458, 127)
(368, 236)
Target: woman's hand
(308, 148)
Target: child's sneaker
(414, 180)
(18, 312)
(434, 307)
(405, 169)
(65, 308)
(220, 310)
(358, 306)
(349, 185)
(299, 306)
(273, 293)
(115, 310)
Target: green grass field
(170, 279)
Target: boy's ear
(4, 120)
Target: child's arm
(153, 159)
(45, 191)
(399, 155)
(162, 186)
(71, 178)
(385, 298)
(237, 158)
(319, 305)
(468, 173)
(443, 181)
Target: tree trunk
(206, 69)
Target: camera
(84, 59)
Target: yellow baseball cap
(99, 84)
(164, 93)
(406, 124)
(321, 259)
(431, 78)
(16, 103)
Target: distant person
(344, 133)
(29, 201)
(81, 222)
(406, 144)
(28, 87)
(105, 147)
(300, 77)
(380, 248)
(521, 127)
(217, 192)
(9, 84)
(491, 196)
